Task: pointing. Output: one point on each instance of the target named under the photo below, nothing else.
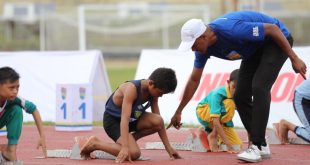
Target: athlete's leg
(302, 109)
(148, 124)
(284, 127)
(13, 120)
(95, 143)
(112, 128)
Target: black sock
(258, 145)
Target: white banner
(40, 72)
(215, 74)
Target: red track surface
(281, 154)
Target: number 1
(83, 109)
(64, 108)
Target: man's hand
(299, 67)
(175, 121)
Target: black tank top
(138, 108)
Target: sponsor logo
(82, 92)
(282, 90)
(255, 31)
(63, 91)
(137, 114)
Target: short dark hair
(8, 74)
(234, 75)
(164, 79)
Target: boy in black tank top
(125, 118)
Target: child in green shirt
(215, 113)
(11, 115)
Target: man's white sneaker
(265, 152)
(252, 154)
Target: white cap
(191, 30)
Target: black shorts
(111, 126)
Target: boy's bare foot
(213, 143)
(283, 131)
(276, 128)
(89, 147)
(3, 157)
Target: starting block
(197, 141)
(74, 153)
(194, 142)
(223, 147)
(11, 163)
(176, 145)
(195, 146)
(5, 162)
(58, 153)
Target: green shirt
(28, 106)
(213, 105)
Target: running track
(281, 154)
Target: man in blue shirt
(264, 44)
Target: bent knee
(158, 122)
(135, 154)
(282, 122)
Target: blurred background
(120, 29)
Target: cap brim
(186, 46)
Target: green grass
(120, 75)
(121, 70)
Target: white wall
(41, 71)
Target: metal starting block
(223, 147)
(75, 154)
(175, 145)
(191, 144)
(58, 153)
(11, 163)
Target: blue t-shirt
(138, 108)
(239, 34)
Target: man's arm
(37, 118)
(275, 33)
(190, 88)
